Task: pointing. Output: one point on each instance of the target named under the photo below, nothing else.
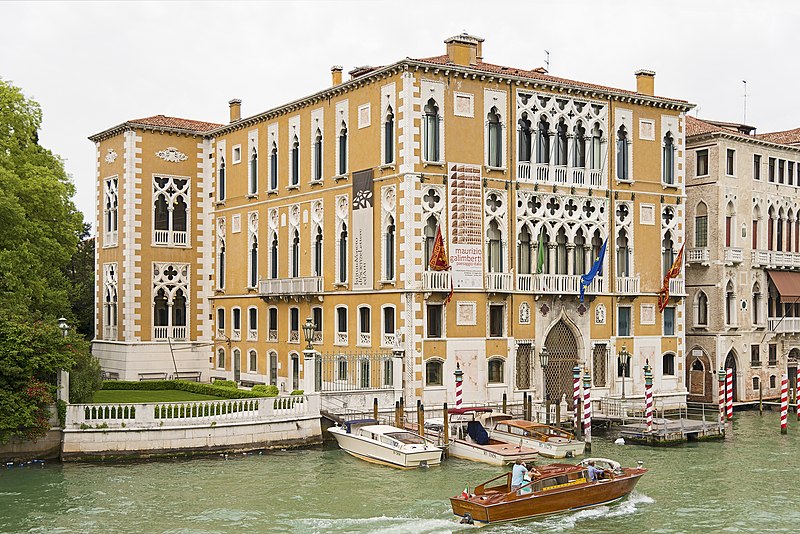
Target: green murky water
(748, 483)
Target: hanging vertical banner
(363, 253)
(466, 225)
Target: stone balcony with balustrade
(784, 325)
(546, 173)
(775, 259)
(436, 281)
(175, 238)
(557, 284)
(732, 255)
(164, 333)
(698, 255)
(499, 282)
(300, 286)
(628, 285)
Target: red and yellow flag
(673, 272)
(439, 261)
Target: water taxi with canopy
(547, 440)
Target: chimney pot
(336, 74)
(236, 109)
(645, 81)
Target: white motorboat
(470, 441)
(547, 440)
(385, 444)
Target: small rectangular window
(669, 321)
(702, 162)
(434, 320)
(237, 318)
(624, 324)
(790, 172)
(781, 165)
(316, 317)
(773, 354)
(341, 320)
(221, 319)
(701, 231)
(496, 320)
(237, 154)
(771, 170)
(729, 161)
(755, 355)
(272, 324)
(756, 166)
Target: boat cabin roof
(349, 426)
(529, 425)
(471, 409)
(383, 429)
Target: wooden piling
(505, 404)
(402, 413)
(375, 408)
(446, 430)
(760, 399)
(421, 419)
(558, 414)
(398, 419)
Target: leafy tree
(31, 354)
(80, 273)
(86, 377)
(39, 224)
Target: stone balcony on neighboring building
(291, 287)
(557, 284)
(771, 258)
(698, 255)
(546, 173)
(784, 325)
(732, 255)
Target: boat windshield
(406, 437)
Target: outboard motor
(467, 519)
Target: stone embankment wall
(22, 450)
(97, 431)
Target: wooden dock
(671, 432)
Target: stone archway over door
(730, 363)
(699, 378)
(563, 350)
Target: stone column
(570, 258)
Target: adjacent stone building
(218, 241)
(743, 258)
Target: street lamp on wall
(544, 358)
(62, 324)
(308, 333)
(624, 359)
(63, 376)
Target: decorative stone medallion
(172, 155)
(111, 156)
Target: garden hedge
(182, 385)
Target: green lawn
(132, 396)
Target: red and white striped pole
(648, 397)
(797, 391)
(587, 411)
(784, 402)
(576, 394)
(721, 375)
(459, 380)
(729, 393)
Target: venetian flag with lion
(673, 272)
(439, 261)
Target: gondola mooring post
(398, 419)
(446, 430)
(375, 408)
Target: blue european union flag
(597, 268)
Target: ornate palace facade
(217, 241)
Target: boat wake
(569, 521)
(380, 525)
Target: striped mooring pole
(459, 379)
(797, 391)
(721, 375)
(784, 402)
(648, 397)
(576, 394)
(729, 393)
(587, 411)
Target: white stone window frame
(272, 333)
(342, 218)
(220, 330)
(624, 117)
(384, 333)
(252, 328)
(252, 237)
(317, 123)
(236, 333)
(669, 124)
(221, 244)
(337, 331)
(252, 357)
(317, 223)
(629, 228)
(504, 361)
(707, 150)
(388, 99)
(220, 351)
(289, 325)
(632, 332)
(110, 295)
(504, 333)
(180, 282)
(432, 89)
(443, 335)
(342, 115)
(273, 141)
(433, 387)
(735, 169)
(292, 227)
(221, 194)
(317, 336)
(647, 314)
(186, 193)
(359, 342)
(236, 154)
(497, 99)
(470, 99)
(388, 209)
(644, 125)
(500, 217)
(252, 148)
(364, 110)
(110, 194)
(294, 132)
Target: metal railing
(355, 371)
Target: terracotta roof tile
(536, 74)
(786, 137)
(695, 126)
(176, 122)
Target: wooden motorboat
(469, 439)
(557, 488)
(385, 444)
(547, 440)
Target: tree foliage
(80, 272)
(39, 224)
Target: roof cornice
(709, 136)
(125, 126)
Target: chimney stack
(645, 82)
(236, 109)
(464, 49)
(336, 75)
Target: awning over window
(788, 285)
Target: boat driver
(595, 473)
(520, 475)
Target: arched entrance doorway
(563, 350)
(699, 377)
(730, 363)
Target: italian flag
(465, 493)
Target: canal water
(747, 483)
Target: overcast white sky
(94, 65)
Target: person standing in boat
(520, 475)
(595, 473)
